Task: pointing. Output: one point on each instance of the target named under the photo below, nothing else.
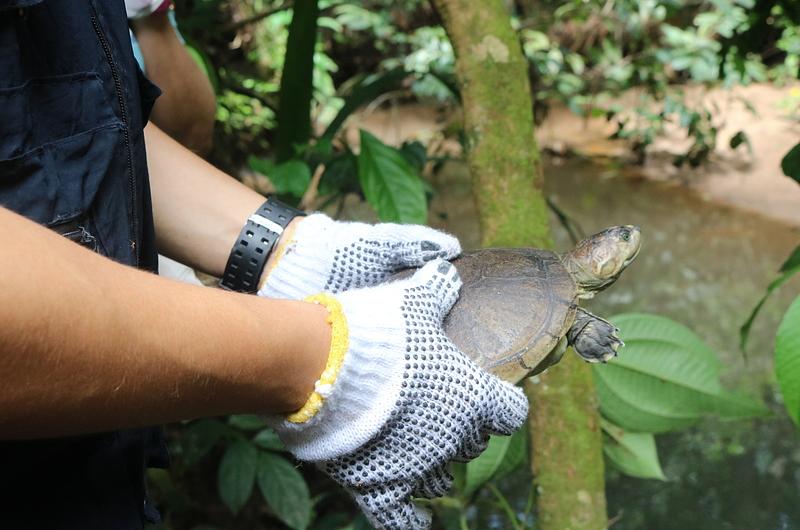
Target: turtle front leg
(593, 338)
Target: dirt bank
(750, 181)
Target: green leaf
(444, 77)
(459, 472)
(285, 490)
(237, 471)
(415, 154)
(791, 163)
(792, 263)
(291, 177)
(516, 454)
(787, 359)
(200, 437)
(790, 267)
(665, 379)
(634, 454)
(389, 183)
(268, 439)
(341, 175)
(618, 402)
(246, 422)
(480, 470)
(731, 406)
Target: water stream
(706, 266)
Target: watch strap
(254, 244)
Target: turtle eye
(625, 235)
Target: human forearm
(199, 210)
(187, 106)
(88, 345)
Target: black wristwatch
(255, 242)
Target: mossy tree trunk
(507, 183)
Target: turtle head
(597, 261)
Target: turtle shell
(514, 307)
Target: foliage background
(232, 472)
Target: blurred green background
(677, 115)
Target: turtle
(518, 308)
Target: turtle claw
(594, 339)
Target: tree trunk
(498, 121)
(507, 184)
(567, 447)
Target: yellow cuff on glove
(340, 343)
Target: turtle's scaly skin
(514, 307)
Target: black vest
(73, 104)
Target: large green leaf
(665, 379)
(787, 359)
(389, 182)
(284, 490)
(790, 267)
(237, 471)
(634, 454)
(791, 163)
(486, 465)
(621, 406)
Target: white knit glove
(405, 402)
(334, 256)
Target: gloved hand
(334, 256)
(405, 401)
(141, 8)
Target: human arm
(87, 344)
(187, 106)
(199, 212)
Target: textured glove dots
(406, 401)
(334, 256)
